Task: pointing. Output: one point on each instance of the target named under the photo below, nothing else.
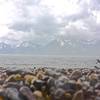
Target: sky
(41, 21)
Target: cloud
(44, 20)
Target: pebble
(50, 84)
(25, 91)
(75, 75)
(12, 94)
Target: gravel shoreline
(50, 84)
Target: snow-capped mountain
(73, 47)
(56, 47)
(4, 45)
(23, 47)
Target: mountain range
(55, 47)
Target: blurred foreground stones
(50, 84)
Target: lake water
(24, 61)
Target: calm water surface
(20, 61)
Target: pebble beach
(50, 84)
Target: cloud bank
(41, 21)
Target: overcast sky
(45, 20)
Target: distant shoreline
(18, 61)
(20, 54)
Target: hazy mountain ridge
(57, 46)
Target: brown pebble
(75, 75)
(38, 95)
(78, 95)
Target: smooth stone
(12, 84)
(15, 71)
(97, 86)
(50, 83)
(1, 82)
(68, 96)
(75, 75)
(52, 73)
(78, 95)
(59, 94)
(18, 77)
(33, 80)
(29, 79)
(14, 78)
(90, 91)
(12, 94)
(38, 95)
(39, 75)
(93, 76)
(97, 98)
(2, 98)
(97, 92)
(2, 94)
(52, 90)
(93, 82)
(85, 85)
(45, 78)
(26, 92)
(39, 84)
(71, 85)
(32, 88)
(3, 76)
(59, 84)
(10, 79)
(63, 79)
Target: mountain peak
(57, 46)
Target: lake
(25, 61)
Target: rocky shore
(50, 84)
